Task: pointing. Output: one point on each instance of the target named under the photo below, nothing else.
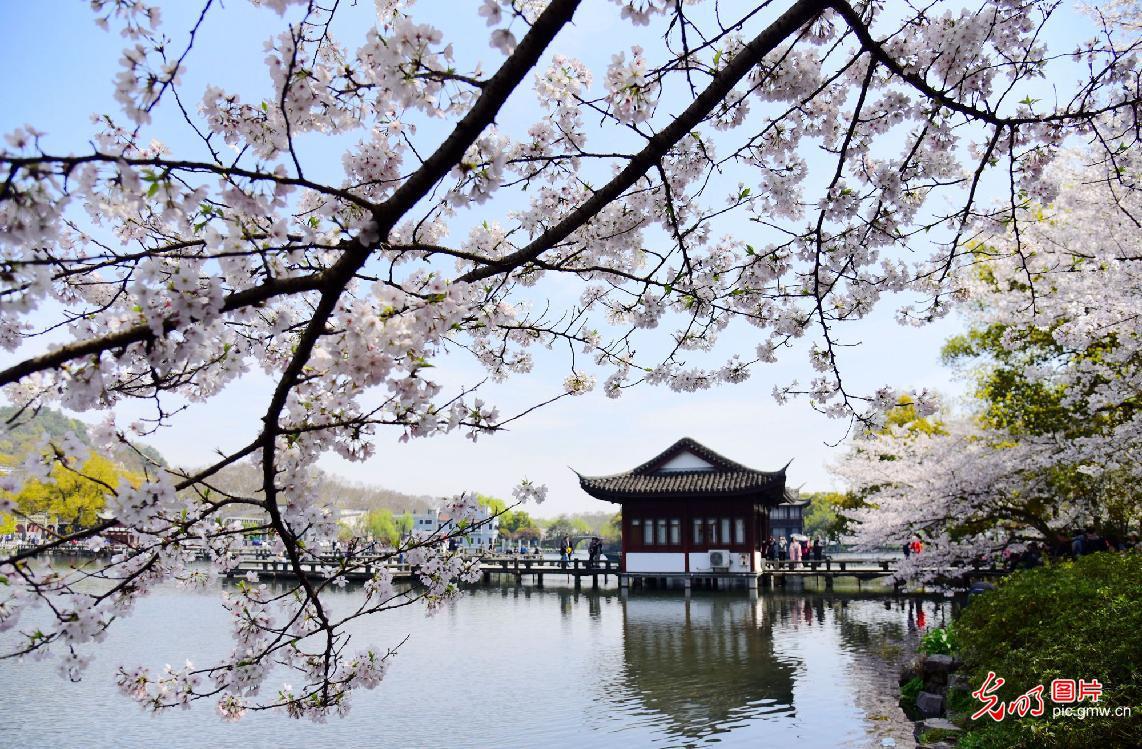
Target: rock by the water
(935, 683)
(958, 681)
(940, 664)
(935, 733)
(912, 669)
(937, 724)
(930, 705)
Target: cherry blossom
(777, 171)
(972, 488)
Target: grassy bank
(1072, 620)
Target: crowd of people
(793, 549)
(567, 550)
(1034, 553)
(1082, 542)
(1089, 541)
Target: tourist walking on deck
(794, 553)
(782, 547)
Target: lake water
(529, 667)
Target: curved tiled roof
(726, 479)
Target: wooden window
(712, 531)
(739, 530)
(698, 531)
(660, 538)
(725, 531)
(648, 533)
(675, 532)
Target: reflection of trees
(702, 662)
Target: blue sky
(58, 70)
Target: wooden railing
(365, 567)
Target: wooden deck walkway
(576, 570)
(274, 568)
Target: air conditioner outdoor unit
(719, 559)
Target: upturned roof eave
(766, 491)
(621, 498)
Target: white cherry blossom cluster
(764, 175)
(528, 491)
(1057, 280)
(632, 94)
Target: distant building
(788, 518)
(690, 510)
(38, 527)
(441, 524)
(354, 520)
(254, 530)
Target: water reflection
(702, 664)
(698, 667)
(534, 667)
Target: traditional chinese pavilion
(690, 511)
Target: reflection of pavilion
(702, 662)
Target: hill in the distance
(246, 480)
(23, 431)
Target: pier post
(752, 582)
